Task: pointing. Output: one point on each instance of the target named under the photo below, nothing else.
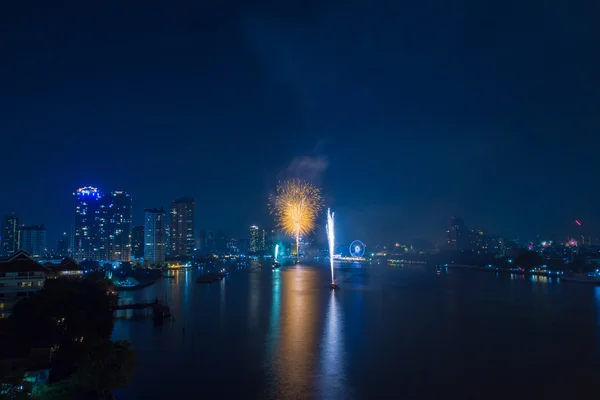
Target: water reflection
(295, 355)
(275, 311)
(539, 278)
(222, 302)
(424, 334)
(254, 297)
(597, 301)
(332, 382)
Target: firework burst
(296, 207)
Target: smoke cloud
(307, 167)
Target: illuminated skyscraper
(33, 240)
(89, 230)
(10, 235)
(118, 226)
(262, 242)
(155, 227)
(182, 227)
(102, 226)
(254, 239)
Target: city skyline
(121, 248)
(402, 129)
(349, 200)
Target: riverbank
(577, 278)
(518, 271)
(139, 285)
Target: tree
(109, 365)
(77, 318)
(62, 313)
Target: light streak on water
(276, 251)
(330, 239)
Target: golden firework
(296, 206)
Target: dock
(155, 308)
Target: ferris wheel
(357, 248)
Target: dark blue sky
(405, 112)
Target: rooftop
(21, 261)
(65, 265)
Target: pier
(154, 308)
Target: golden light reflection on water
(540, 279)
(294, 362)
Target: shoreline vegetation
(73, 320)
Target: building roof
(21, 261)
(65, 265)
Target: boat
(334, 286)
(222, 273)
(212, 276)
(276, 265)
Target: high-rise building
(102, 226)
(232, 245)
(254, 239)
(33, 240)
(221, 242)
(167, 240)
(62, 246)
(137, 242)
(244, 245)
(211, 243)
(458, 234)
(118, 226)
(89, 231)
(262, 240)
(201, 241)
(10, 235)
(182, 227)
(155, 227)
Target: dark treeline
(75, 319)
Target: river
(406, 332)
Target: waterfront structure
(65, 268)
(154, 236)
(118, 226)
(182, 227)
(33, 240)
(254, 239)
(137, 242)
(10, 235)
(20, 277)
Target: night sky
(406, 113)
